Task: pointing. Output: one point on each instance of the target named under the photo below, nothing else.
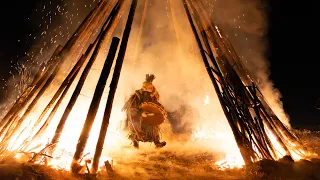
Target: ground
(170, 164)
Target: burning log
(250, 125)
(225, 46)
(89, 21)
(93, 24)
(62, 56)
(218, 39)
(14, 119)
(102, 38)
(85, 23)
(41, 71)
(246, 152)
(267, 122)
(113, 87)
(108, 166)
(88, 161)
(63, 89)
(235, 122)
(35, 100)
(54, 110)
(254, 130)
(100, 87)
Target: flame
(230, 162)
(233, 158)
(212, 129)
(206, 100)
(224, 141)
(63, 155)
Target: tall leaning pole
(113, 87)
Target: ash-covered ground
(178, 163)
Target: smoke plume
(246, 23)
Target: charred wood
(113, 86)
(100, 86)
(101, 38)
(28, 92)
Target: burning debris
(49, 136)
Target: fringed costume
(145, 114)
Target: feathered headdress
(150, 78)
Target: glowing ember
(206, 100)
(233, 158)
(230, 162)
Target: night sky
(292, 53)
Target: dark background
(292, 52)
(294, 65)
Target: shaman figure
(145, 114)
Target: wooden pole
(62, 54)
(226, 47)
(261, 144)
(104, 36)
(213, 33)
(244, 76)
(17, 121)
(225, 43)
(79, 32)
(253, 128)
(113, 87)
(54, 109)
(66, 81)
(20, 106)
(52, 113)
(94, 106)
(41, 71)
(35, 100)
(83, 26)
(242, 147)
(61, 92)
(260, 116)
(95, 21)
(243, 127)
(257, 131)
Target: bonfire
(56, 127)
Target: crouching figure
(145, 114)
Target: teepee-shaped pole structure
(252, 121)
(250, 118)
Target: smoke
(246, 23)
(167, 48)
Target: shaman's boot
(134, 141)
(158, 143)
(135, 144)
